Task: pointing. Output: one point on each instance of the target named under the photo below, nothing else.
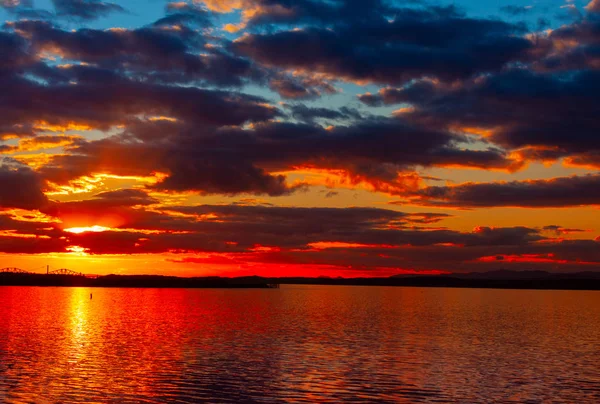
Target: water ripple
(298, 344)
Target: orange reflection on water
(298, 343)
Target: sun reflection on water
(298, 344)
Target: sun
(92, 229)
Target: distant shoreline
(503, 280)
(131, 281)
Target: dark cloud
(320, 12)
(229, 178)
(15, 53)
(429, 42)
(572, 46)
(557, 192)
(85, 9)
(113, 207)
(185, 13)
(199, 156)
(414, 93)
(353, 238)
(25, 9)
(300, 88)
(555, 118)
(153, 53)
(310, 114)
(234, 228)
(126, 197)
(293, 89)
(21, 187)
(103, 100)
(559, 230)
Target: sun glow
(93, 229)
(77, 251)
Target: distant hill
(516, 275)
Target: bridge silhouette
(61, 271)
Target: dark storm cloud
(21, 188)
(14, 51)
(370, 142)
(430, 42)
(320, 12)
(233, 160)
(104, 100)
(153, 53)
(193, 168)
(228, 178)
(556, 115)
(85, 9)
(557, 192)
(91, 45)
(570, 47)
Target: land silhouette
(497, 279)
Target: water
(298, 344)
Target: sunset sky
(300, 137)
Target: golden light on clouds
(92, 229)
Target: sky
(300, 137)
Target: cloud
(310, 114)
(559, 230)
(15, 52)
(25, 9)
(415, 92)
(153, 53)
(357, 239)
(21, 187)
(556, 192)
(85, 9)
(430, 42)
(228, 179)
(166, 101)
(126, 197)
(593, 6)
(102, 101)
(555, 117)
(354, 238)
(184, 13)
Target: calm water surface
(298, 344)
